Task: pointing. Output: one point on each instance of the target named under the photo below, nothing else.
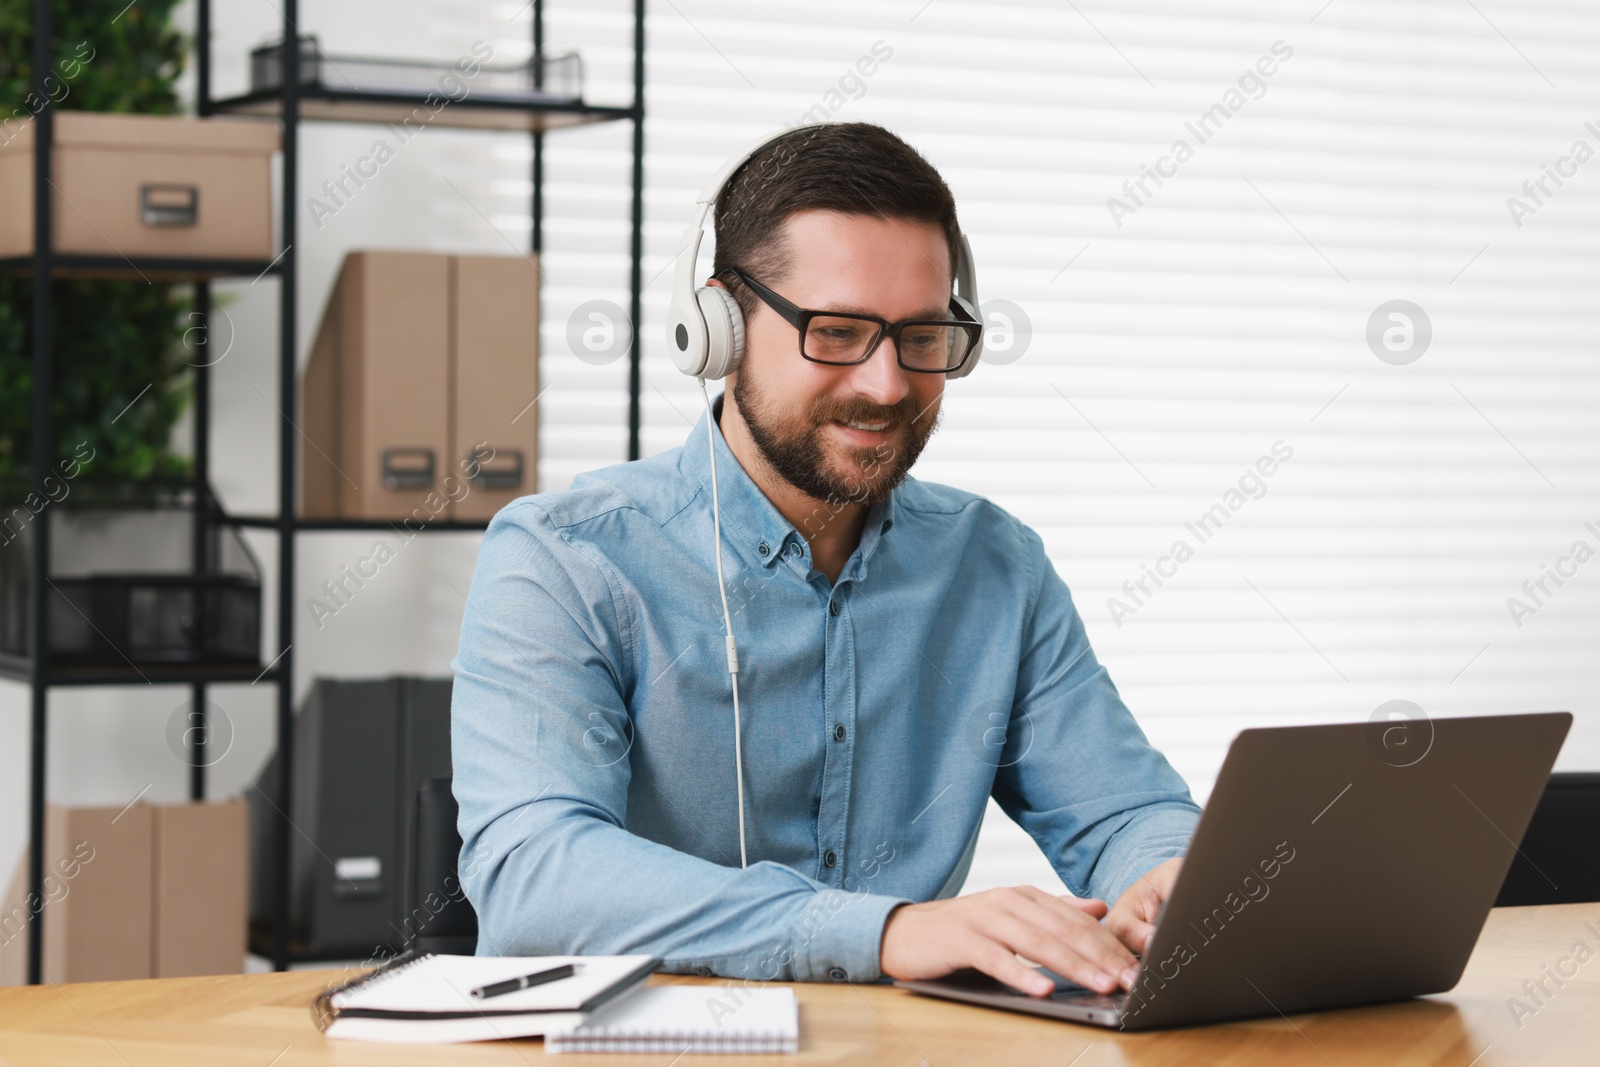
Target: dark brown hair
(852, 167)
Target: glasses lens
(839, 339)
(933, 346)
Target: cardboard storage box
(494, 315)
(200, 885)
(150, 891)
(145, 185)
(97, 903)
(417, 400)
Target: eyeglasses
(927, 346)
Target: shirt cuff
(839, 937)
(1156, 836)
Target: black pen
(511, 985)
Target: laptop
(1333, 866)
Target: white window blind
(1335, 158)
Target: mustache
(860, 409)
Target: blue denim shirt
(592, 724)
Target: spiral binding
(323, 1009)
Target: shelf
(404, 111)
(320, 104)
(164, 268)
(268, 522)
(17, 668)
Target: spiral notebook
(427, 999)
(678, 1019)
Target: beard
(793, 444)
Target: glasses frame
(800, 318)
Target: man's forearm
(550, 879)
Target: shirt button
(838, 974)
(833, 607)
(703, 972)
(838, 732)
(762, 549)
(830, 858)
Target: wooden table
(263, 1021)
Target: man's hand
(988, 930)
(1133, 917)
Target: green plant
(113, 340)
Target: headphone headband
(705, 326)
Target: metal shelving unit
(292, 104)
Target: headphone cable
(727, 619)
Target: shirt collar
(751, 524)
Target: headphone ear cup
(977, 351)
(724, 331)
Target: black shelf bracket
(288, 293)
(636, 244)
(43, 450)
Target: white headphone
(705, 334)
(705, 325)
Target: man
(906, 651)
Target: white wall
(1162, 356)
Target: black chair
(1559, 859)
(441, 918)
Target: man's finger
(1044, 946)
(1097, 908)
(1134, 933)
(1080, 911)
(1072, 954)
(1070, 905)
(999, 963)
(1121, 964)
(1084, 919)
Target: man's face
(797, 411)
